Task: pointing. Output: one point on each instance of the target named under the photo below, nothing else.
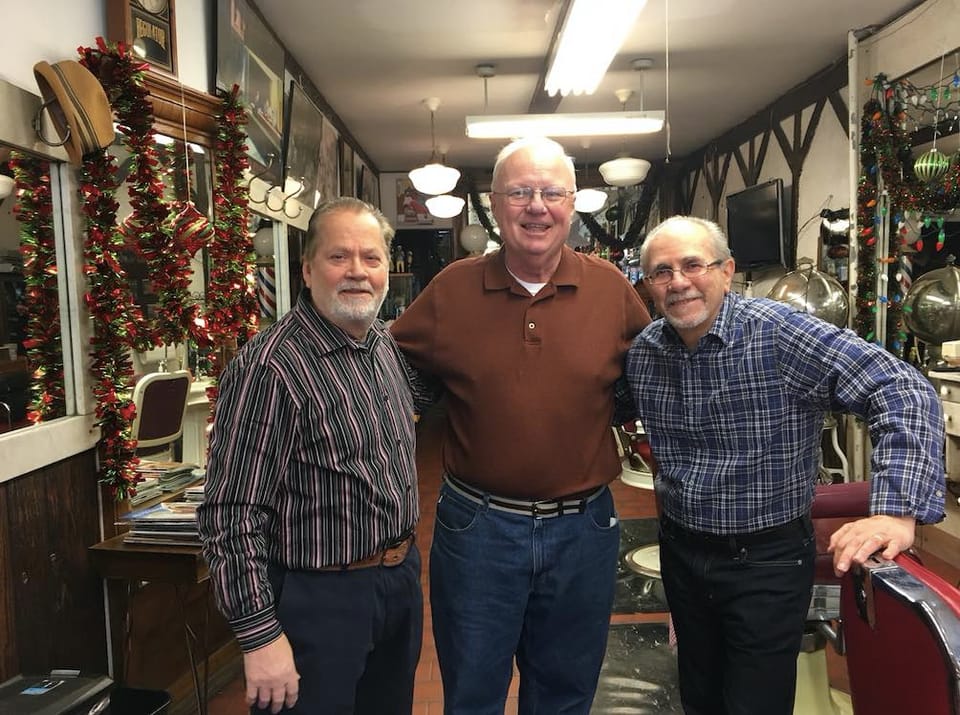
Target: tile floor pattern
(632, 633)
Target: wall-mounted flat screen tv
(756, 227)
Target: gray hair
(542, 145)
(345, 204)
(719, 246)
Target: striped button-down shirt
(311, 461)
(735, 426)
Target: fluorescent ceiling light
(592, 34)
(508, 126)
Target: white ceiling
(375, 61)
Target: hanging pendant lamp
(433, 177)
(625, 170)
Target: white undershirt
(532, 288)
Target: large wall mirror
(184, 122)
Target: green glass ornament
(931, 166)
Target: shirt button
(531, 325)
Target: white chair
(161, 401)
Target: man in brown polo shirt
(529, 344)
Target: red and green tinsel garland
(116, 322)
(34, 209)
(147, 229)
(885, 154)
(231, 304)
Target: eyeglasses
(523, 195)
(662, 276)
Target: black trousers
(355, 636)
(738, 606)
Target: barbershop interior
(823, 137)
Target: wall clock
(148, 26)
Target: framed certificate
(147, 26)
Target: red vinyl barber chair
(901, 627)
(898, 625)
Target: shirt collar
(496, 276)
(662, 333)
(332, 337)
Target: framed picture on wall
(347, 187)
(368, 185)
(411, 207)
(249, 56)
(302, 140)
(147, 25)
(358, 172)
(328, 175)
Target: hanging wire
(666, 113)
(186, 144)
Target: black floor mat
(639, 673)
(636, 593)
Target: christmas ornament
(191, 229)
(931, 166)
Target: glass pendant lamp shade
(434, 178)
(624, 171)
(473, 238)
(589, 201)
(445, 205)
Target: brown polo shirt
(529, 379)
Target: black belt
(800, 527)
(541, 508)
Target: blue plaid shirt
(735, 426)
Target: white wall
(53, 30)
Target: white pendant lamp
(444, 206)
(433, 177)
(625, 170)
(589, 201)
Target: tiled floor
(428, 700)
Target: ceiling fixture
(444, 205)
(433, 177)
(589, 201)
(585, 124)
(626, 170)
(591, 35)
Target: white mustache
(686, 295)
(354, 285)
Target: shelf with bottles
(403, 289)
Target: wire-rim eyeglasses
(523, 195)
(693, 269)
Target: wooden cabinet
(943, 539)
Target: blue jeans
(738, 606)
(540, 589)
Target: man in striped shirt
(311, 495)
(732, 393)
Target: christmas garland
(117, 323)
(231, 305)
(34, 209)
(147, 229)
(885, 155)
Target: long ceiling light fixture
(591, 36)
(433, 177)
(584, 124)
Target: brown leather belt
(388, 557)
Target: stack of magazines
(171, 523)
(171, 476)
(147, 488)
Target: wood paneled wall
(51, 600)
